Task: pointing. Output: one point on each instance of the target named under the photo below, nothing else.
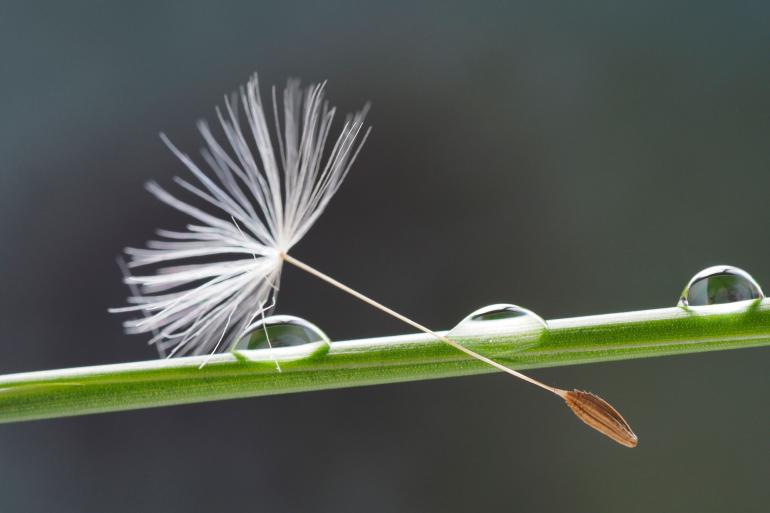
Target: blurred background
(574, 159)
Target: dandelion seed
(600, 415)
(213, 280)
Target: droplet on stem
(500, 320)
(502, 311)
(718, 285)
(280, 331)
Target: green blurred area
(573, 159)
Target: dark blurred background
(574, 159)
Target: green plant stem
(320, 366)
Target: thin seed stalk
(321, 366)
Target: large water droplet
(499, 323)
(720, 284)
(281, 331)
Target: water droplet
(499, 312)
(720, 284)
(499, 323)
(281, 331)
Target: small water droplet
(500, 321)
(281, 331)
(720, 284)
(498, 312)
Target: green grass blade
(600, 338)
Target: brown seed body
(600, 415)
